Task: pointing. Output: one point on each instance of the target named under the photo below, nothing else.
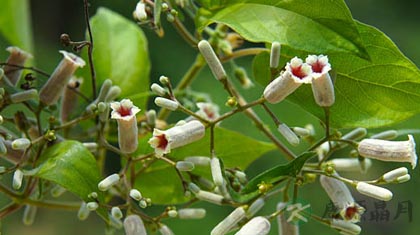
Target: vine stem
(90, 49)
(29, 68)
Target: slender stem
(29, 68)
(244, 52)
(74, 122)
(271, 114)
(53, 205)
(239, 109)
(90, 49)
(9, 209)
(185, 34)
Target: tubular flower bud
(83, 212)
(355, 134)
(192, 213)
(113, 93)
(116, 212)
(184, 166)
(255, 207)
(199, 161)
(288, 134)
(395, 174)
(92, 206)
(345, 226)
(350, 164)
(285, 228)
(133, 225)
(21, 144)
(177, 136)
(212, 60)
(209, 197)
(296, 73)
(140, 12)
(108, 182)
(70, 98)
(385, 135)
(303, 132)
(242, 76)
(322, 85)
(193, 188)
(393, 151)
(379, 193)
(55, 85)
(17, 179)
(22, 96)
(135, 194)
(166, 103)
(256, 226)
(157, 89)
(208, 111)
(216, 171)
(165, 230)
(17, 57)
(125, 113)
(103, 92)
(229, 222)
(275, 55)
(29, 215)
(341, 197)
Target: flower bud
(151, 117)
(113, 93)
(350, 164)
(288, 134)
(3, 147)
(242, 76)
(403, 179)
(23, 96)
(103, 92)
(17, 179)
(143, 203)
(285, 227)
(55, 85)
(379, 193)
(303, 132)
(157, 89)
(275, 55)
(125, 114)
(345, 226)
(209, 197)
(114, 222)
(18, 58)
(135, 194)
(177, 136)
(208, 111)
(212, 60)
(241, 177)
(322, 85)
(83, 212)
(191, 213)
(256, 226)
(133, 225)
(108, 182)
(229, 222)
(216, 171)
(116, 212)
(140, 12)
(355, 134)
(93, 195)
(198, 160)
(172, 213)
(164, 80)
(92, 206)
(394, 174)
(256, 206)
(166, 103)
(70, 98)
(184, 166)
(193, 188)
(385, 135)
(393, 151)
(165, 230)
(29, 214)
(21, 144)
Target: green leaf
(121, 54)
(161, 183)
(374, 93)
(261, 69)
(319, 26)
(15, 23)
(70, 165)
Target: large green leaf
(319, 26)
(121, 54)
(162, 184)
(70, 165)
(15, 23)
(379, 92)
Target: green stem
(244, 52)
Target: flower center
(298, 72)
(209, 113)
(317, 67)
(350, 212)
(162, 142)
(123, 111)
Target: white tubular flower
(208, 111)
(70, 98)
(108, 182)
(166, 103)
(165, 230)
(17, 179)
(125, 114)
(199, 160)
(285, 228)
(216, 171)
(392, 151)
(133, 225)
(229, 222)
(295, 75)
(275, 55)
(379, 193)
(177, 136)
(135, 194)
(209, 197)
(350, 164)
(394, 175)
(192, 213)
(256, 206)
(21, 144)
(256, 226)
(17, 57)
(341, 197)
(322, 85)
(92, 206)
(157, 89)
(83, 212)
(140, 12)
(288, 134)
(55, 85)
(116, 212)
(212, 60)
(22, 96)
(345, 226)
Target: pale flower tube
(17, 57)
(322, 85)
(125, 114)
